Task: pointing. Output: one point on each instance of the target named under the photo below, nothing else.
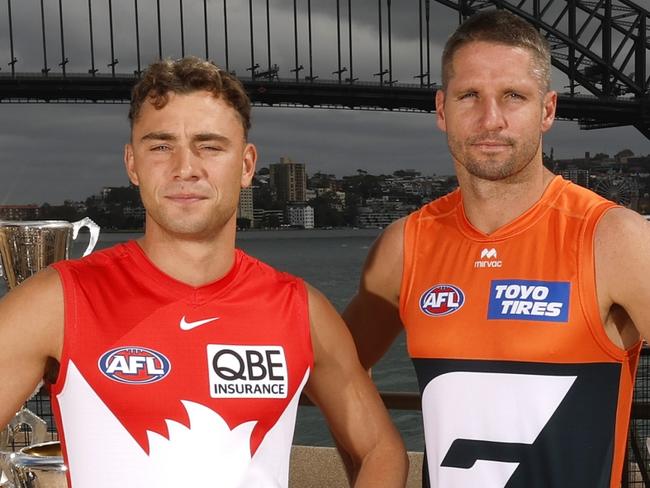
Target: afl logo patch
(134, 365)
(441, 300)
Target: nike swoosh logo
(191, 325)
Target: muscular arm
(31, 333)
(340, 387)
(622, 254)
(373, 314)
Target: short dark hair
(187, 75)
(500, 27)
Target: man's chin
(490, 170)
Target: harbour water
(330, 260)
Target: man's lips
(185, 197)
(491, 145)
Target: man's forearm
(386, 467)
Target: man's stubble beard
(521, 156)
(203, 225)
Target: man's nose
(492, 115)
(187, 164)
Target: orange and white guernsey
(167, 385)
(521, 387)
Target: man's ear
(440, 110)
(549, 107)
(129, 164)
(249, 161)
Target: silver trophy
(26, 248)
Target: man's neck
(192, 261)
(489, 205)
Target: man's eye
(211, 148)
(516, 96)
(468, 95)
(160, 148)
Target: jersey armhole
(304, 318)
(410, 237)
(69, 323)
(587, 287)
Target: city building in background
(300, 215)
(288, 181)
(576, 175)
(283, 195)
(380, 212)
(623, 178)
(20, 212)
(245, 208)
(268, 219)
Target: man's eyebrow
(464, 89)
(200, 137)
(158, 136)
(210, 136)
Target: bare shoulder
(622, 260)
(43, 288)
(330, 338)
(395, 231)
(322, 315)
(382, 271)
(622, 235)
(391, 240)
(35, 308)
(318, 304)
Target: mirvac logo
(134, 365)
(489, 259)
(529, 300)
(441, 300)
(247, 371)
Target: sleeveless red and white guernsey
(166, 385)
(521, 387)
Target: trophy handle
(94, 232)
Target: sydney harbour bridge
(358, 54)
(337, 54)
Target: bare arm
(622, 254)
(373, 314)
(340, 387)
(31, 334)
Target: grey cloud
(53, 152)
(342, 141)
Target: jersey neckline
(178, 287)
(520, 223)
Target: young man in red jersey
(176, 359)
(523, 296)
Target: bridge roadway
(591, 111)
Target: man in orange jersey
(523, 296)
(177, 358)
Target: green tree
(325, 215)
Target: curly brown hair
(187, 75)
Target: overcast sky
(53, 152)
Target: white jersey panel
(207, 450)
(492, 407)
